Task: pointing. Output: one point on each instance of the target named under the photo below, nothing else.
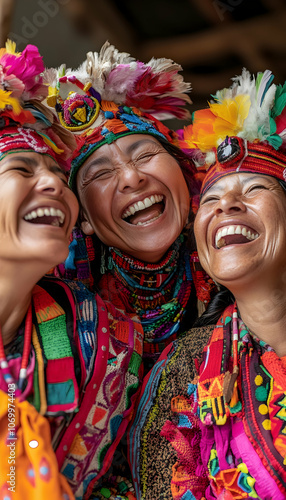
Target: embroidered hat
(25, 123)
(244, 130)
(112, 95)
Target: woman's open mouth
(142, 213)
(46, 215)
(233, 235)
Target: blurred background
(212, 39)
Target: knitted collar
(158, 293)
(149, 279)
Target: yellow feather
(51, 144)
(11, 48)
(6, 100)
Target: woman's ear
(85, 225)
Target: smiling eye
(146, 155)
(64, 180)
(256, 186)
(101, 174)
(209, 199)
(23, 169)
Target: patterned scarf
(243, 439)
(29, 467)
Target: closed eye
(101, 174)
(145, 156)
(208, 199)
(256, 186)
(25, 170)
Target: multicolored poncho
(83, 376)
(224, 448)
(243, 443)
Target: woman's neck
(263, 310)
(16, 285)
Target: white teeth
(61, 216)
(41, 212)
(228, 230)
(147, 203)
(141, 205)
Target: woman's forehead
(123, 146)
(240, 178)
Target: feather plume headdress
(25, 123)
(244, 129)
(111, 95)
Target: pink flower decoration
(26, 68)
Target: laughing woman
(228, 425)
(69, 363)
(133, 184)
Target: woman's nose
(50, 183)
(229, 203)
(130, 177)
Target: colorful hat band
(236, 155)
(16, 138)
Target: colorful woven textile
(158, 293)
(83, 375)
(164, 296)
(241, 440)
(257, 158)
(151, 456)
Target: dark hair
(282, 184)
(186, 164)
(215, 308)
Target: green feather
(258, 80)
(279, 101)
(275, 141)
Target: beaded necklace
(159, 293)
(9, 379)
